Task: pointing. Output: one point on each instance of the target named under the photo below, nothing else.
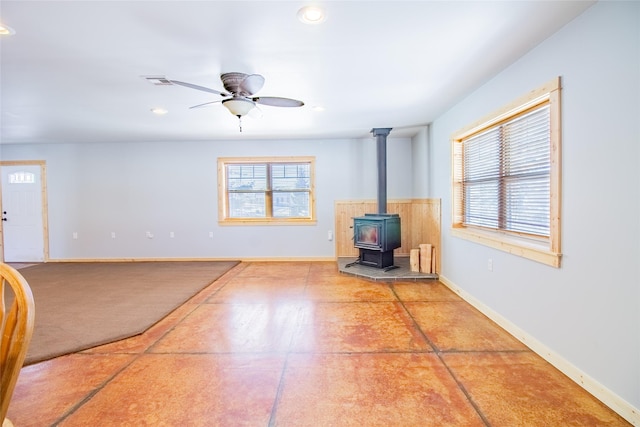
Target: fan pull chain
(240, 123)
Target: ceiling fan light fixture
(5, 30)
(238, 106)
(311, 15)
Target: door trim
(45, 206)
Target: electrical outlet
(211, 234)
(113, 234)
(171, 234)
(149, 235)
(75, 235)
(490, 265)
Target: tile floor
(300, 344)
(401, 270)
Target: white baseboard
(602, 393)
(257, 259)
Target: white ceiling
(72, 72)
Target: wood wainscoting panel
(345, 211)
(419, 218)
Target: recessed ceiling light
(311, 15)
(5, 30)
(159, 111)
(317, 108)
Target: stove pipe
(381, 143)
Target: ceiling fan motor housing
(241, 83)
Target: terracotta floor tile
(428, 290)
(522, 389)
(328, 268)
(186, 390)
(237, 328)
(371, 390)
(276, 269)
(330, 289)
(139, 343)
(204, 294)
(358, 327)
(48, 390)
(456, 326)
(341, 279)
(259, 289)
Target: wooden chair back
(16, 328)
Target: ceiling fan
(239, 97)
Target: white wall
(588, 311)
(129, 189)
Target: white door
(22, 222)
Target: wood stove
(376, 236)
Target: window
(266, 190)
(22, 178)
(506, 178)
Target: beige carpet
(82, 305)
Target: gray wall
(420, 164)
(587, 311)
(129, 189)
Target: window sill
(526, 248)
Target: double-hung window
(506, 178)
(262, 190)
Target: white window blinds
(505, 176)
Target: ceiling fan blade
(275, 101)
(196, 87)
(205, 104)
(251, 84)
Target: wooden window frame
(544, 250)
(223, 194)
